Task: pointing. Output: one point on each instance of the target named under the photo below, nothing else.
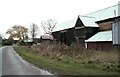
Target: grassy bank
(0, 45)
(65, 65)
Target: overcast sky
(25, 12)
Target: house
(75, 31)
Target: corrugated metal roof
(88, 21)
(65, 25)
(105, 13)
(101, 36)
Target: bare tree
(48, 26)
(18, 31)
(34, 30)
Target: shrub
(107, 60)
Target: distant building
(28, 41)
(46, 38)
(15, 40)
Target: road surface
(13, 64)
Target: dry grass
(76, 52)
(104, 60)
(64, 64)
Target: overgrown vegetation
(71, 60)
(0, 45)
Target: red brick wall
(100, 46)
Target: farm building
(105, 28)
(31, 41)
(75, 31)
(105, 17)
(64, 32)
(46, 38)
(28, 41)
(103, 39)
(81, 30)
(85, 28)
(100, 41)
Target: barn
(105, 19)
(84, 30)
(100, 41)
(63, 33)
(75, 31)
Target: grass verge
(0, 45)
(60, 67)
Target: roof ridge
(86, 16)
(102, 9)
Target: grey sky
(25, 12)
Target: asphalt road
(13, 64)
